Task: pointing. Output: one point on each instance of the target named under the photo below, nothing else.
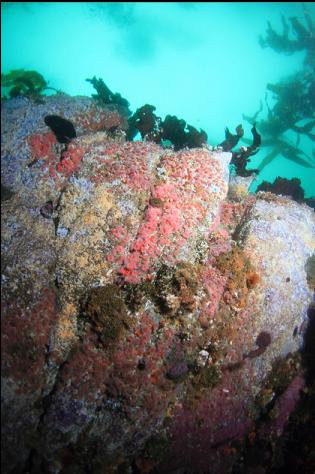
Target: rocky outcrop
(143, 308)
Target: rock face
(143, 310)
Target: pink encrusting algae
(142, 344)
(214, 282)
(129, 163)
(141, 304)
(71, 160)
(95, 120)
(183, 210)
(53, 165)
(90, 373)
(41, 144)
(24, 333)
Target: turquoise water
(199, 61)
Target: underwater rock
(239, 186)
(290, 230)
(178, 371)
(28, 151)
(310, 270)
(47, 210)
(5, 193)
(127, 314)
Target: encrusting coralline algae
(144, 307)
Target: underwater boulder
(141, 306)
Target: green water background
(199, 61)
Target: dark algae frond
(22, 82)
(287, 187)
(146, 122)
(171, 129)
(232, 140)
(294, 37)
(181, 134)
(293, 97)
(150, 126)
(62, 128)
(105, 96)
(240, 158)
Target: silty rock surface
(137, 299)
